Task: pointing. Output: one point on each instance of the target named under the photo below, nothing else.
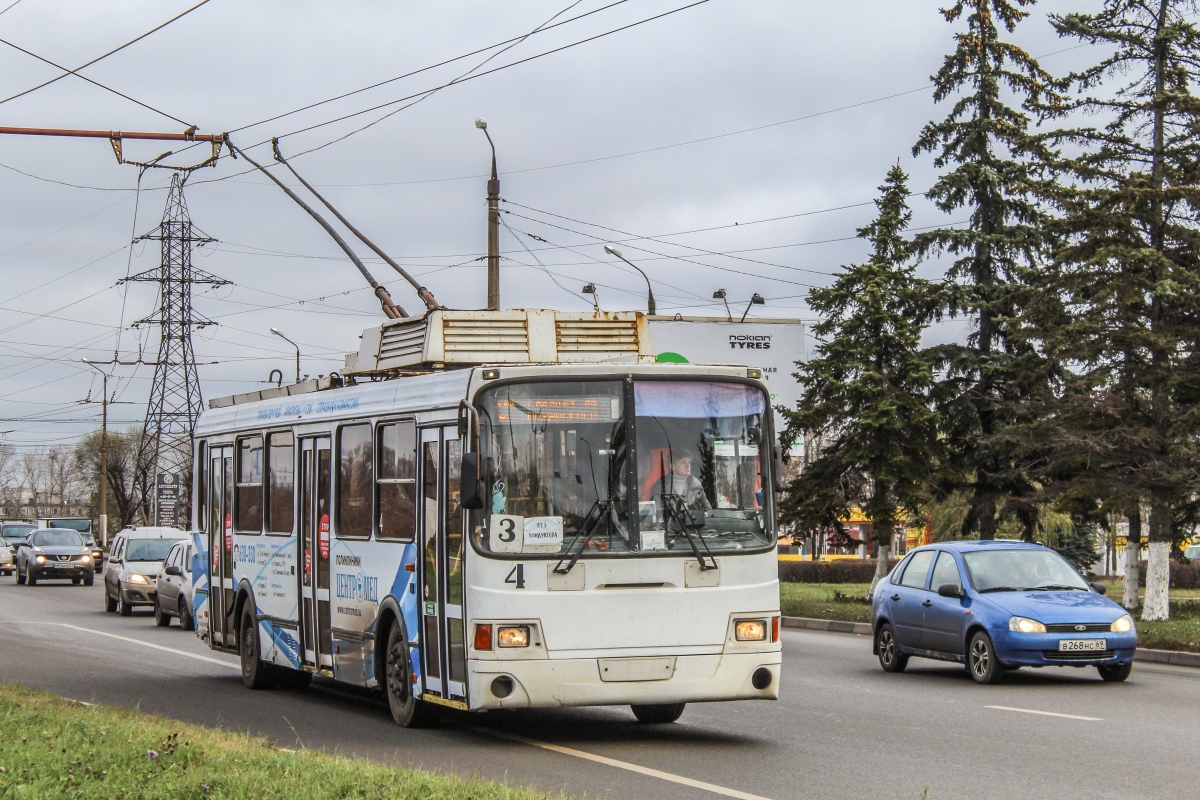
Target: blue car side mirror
(950, 590)
(1099, 588)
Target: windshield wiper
(1000, 589)
(675, 507)
(1059, 587)
(600, 510)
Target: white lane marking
(625, 765)
(1046, 713)
(148, 644)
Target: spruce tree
(1128, 264)
(867, 389)
(989, 383)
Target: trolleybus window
(396, 492)
(281, 486)
(249, 495)
(355, 486)
(557, 474)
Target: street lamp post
(293, 344)
(493, 198)
(756, 300)
(103, 454)
(650, 306)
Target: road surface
(843, 728)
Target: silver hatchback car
(173, 590)
(134, 561)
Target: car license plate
(1077, 645)
(63, 564)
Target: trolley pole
(493, 198)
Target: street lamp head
(719, 294)
(481, 123)
(589, 289)
(276, 331)
(758, 300)
(612, 251)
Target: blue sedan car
(997, 606)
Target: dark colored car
(15, 533)
(996, 606)
(54, 554)
(89, 542)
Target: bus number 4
(517, 576)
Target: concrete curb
(1173, 657)
(836, 626)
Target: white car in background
(134, 561)
(6, 559)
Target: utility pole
(104, 441)
(493, 198)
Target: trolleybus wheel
(658, 714)
(407, 711)
(255, 673)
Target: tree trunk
(1133, 549)
(986, 516)
(1158, 568)
(881, 567)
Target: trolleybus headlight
(483, 637)
(751, 630)
(513, 637)
(1122, 624)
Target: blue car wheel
(982, 663)
(890, 657)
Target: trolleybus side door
(220, 545)
(314, 547)
(443, 635)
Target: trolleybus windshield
(559, 474)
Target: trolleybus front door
(220, 546)
(314, 546)
(443, 636)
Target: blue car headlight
(1122, 624)
(1025, 625)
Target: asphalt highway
(843, 728)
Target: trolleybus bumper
(539, 683)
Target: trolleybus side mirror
(472, 491)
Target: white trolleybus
(498, 510)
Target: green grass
(51, 747)
(846, 602)
(840, 601)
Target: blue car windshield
(1021, 571)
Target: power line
(456, 81)
(106, 55)
(515, 39)
(89, 80)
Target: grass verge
(846, 602)
(51, 747)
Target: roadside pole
(104, 464)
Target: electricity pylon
(175, 399)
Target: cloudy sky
(747, 138)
